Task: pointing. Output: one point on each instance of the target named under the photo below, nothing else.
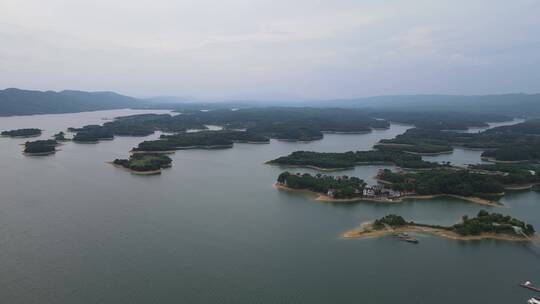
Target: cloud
(309, 48)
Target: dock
(529, 285)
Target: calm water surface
(212, 229)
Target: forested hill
(26, 102)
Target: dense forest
(294, 124)
(447, 120)
(391, 220)
(145, 162)
(30, 132)
(511, 174)
(200, 140)
(491, 223)
(269, 119)
(136, 125)
(351, 159)
(40, 146)
(285, 123)
(341, 186)
(443, 181)
(91, 134)
(519, 142)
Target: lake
(212, 229)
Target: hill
(26, 102)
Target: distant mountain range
(504, 104)
(25, 102)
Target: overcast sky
(271, 48)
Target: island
(221, 139)
(395, 187)
(91, 134)
(22, 133)
(144, 164)
(40, 147)
(484, 226)
(348, 160)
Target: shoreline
(359, 164)
(40, 153)
(22, 136)
(520, 187)
(493, 160)
(251, 142)
(152, 152)
(215, 147)
(430, 153)
(308, 167)
(303, 141)
(325, 198)
(405, 146)
(347, 132)
(366, 231)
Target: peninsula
(484, 226)
(396, 187)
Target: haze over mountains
(26, 102)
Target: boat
(410, 240)
(529, 285)
(533, 301)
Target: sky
(271, 49)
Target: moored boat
(533, 301)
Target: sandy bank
(366, 231)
